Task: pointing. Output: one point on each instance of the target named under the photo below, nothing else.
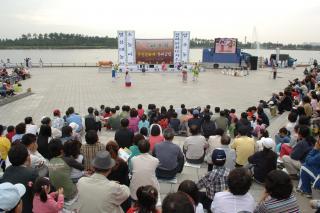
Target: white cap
(267, 143)
(10, 195)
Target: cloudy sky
(286, 21)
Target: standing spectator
(214, 142)
(263, 161)
(190, 188)
(73, 117)
(133, 121)
(21, 172)
(171, 159)
(237, 199)
(244, 147)
(90, 120)
(60, 172)
(91, 148)
(108, 194)
(194, 146)
(20, 131)
(44, 201)
(278, 195)
(143, 169)
(297, 157)
(147, 200)
(43, 141)
(4, 147)
(215, 180)
(114, 120)
(10, 197)
(57, 121)
(155, 135)
(124, 136)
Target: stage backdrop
(225, 45)
(154, 51)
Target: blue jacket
(312, 161)
(300, 151)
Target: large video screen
(154, 51)
(225, 45)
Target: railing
(85, 64)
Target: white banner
(185, 44)
(177, 47)
(130, 45)
(122, 56)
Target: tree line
(75, 41)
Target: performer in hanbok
(163, 67)
(113, 73)
(127, 79)
(195, 71)
(184, 74)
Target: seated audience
(74, 118)
(114, 120)
(21, 172)
(222, 122)
(60, 172)
(143, 169)
(278, 196)
(147, 200)
(171, 159)
(244, 147)
(43, 141)
(57, 121)
(263, 161)
(90, 120)
(194, 146)
(143, 123)
(4, 147)
(134, 148)
(214, 181)
(230, 153)
(208, 127)
(90, 149)
(133, 121)
(237, 198)
(155, 135)
(11, 131)
(11, 197)
(30, 127)
(124, 136)
(177, 202)
(281, 138)
(195, 120)
(20, 131)
(190, 188)
(108, 195)
(174, 123)
(214, 142)
(45, 200)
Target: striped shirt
(273, 205)
(89, 152)
(214, 181)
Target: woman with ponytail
(147, 200)
(43, 202)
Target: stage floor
(83, 87)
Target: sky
(284, 21)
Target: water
(94, 55)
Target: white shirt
(226, 202)
(32, 129)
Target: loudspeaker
(215, 66)
(253, 63)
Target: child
(10, 132)
(281, 138)
(45, 202)
(214, 181)
(184, 74)
(190, 188)
(143, 123)
(98, 119)
(147, 200)
(113, 73)
(140, 111)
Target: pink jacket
(50, 206)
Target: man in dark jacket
(123, 136)
(21, 172)
(90, 120)
(297, 157)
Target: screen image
(154, 51)
(225, 45)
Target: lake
(95, 55)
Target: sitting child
(281, 138)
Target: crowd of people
(61, 164)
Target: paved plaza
(83, 87)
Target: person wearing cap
(10, 197)
(215, 180)
(57, 121)
(21, 172)
(4, 147)
(195, 120)
(108, 195)
(264, 161)
(244, 146)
